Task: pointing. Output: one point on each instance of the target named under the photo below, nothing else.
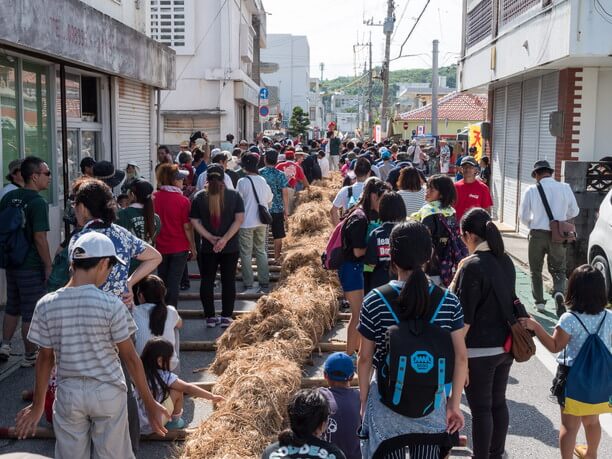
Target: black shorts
(278, 225)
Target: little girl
(586, 301)
(166, 386)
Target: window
(171, 24)
(478, 24)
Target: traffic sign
(405, 125)
(263, 93)
(264, 111)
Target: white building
(291, 74)
(217, 65)
(316, 109)
(548, 68)
(110, 70)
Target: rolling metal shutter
(530, 132)
(511, 163)
(134, 125)
(499, 148)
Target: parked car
(600, 241)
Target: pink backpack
(333, 256)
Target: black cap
(541, 165)
(105, 171)
(249, 162)
(216, 172)
(469, 161)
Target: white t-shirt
(169, 378)
(324, 165)
(141, 315)
(7, 188)
(264, 193)
(342, 198)
(202, 181)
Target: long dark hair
(372, 185)
(477, 221)
(98, 199)
(153, 291)
(445, 186)
(143, 192)
(307, 410)
(410, 247)
(153, 350)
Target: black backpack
(420, 359)
(14, 242)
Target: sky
(334, 26)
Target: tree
(299, 122)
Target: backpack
(352, 199)
(449, 252)
(333, 256)
(420, 359)
(588, 389)
(14, 243)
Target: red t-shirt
(469, 195)
(292, 171)
(173, 210)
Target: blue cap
(339, 367)
(385, 154)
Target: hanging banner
(475, 140)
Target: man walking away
(333, 150)
(280, 203)
(470, 191)
(26, 282)
(533, 214)
(85, 331)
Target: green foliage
(299, 122)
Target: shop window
(9, 115)
(89, 98)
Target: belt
(539, 231)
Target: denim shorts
(351, 276)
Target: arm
(220, 245)
(150, 258)
(195, 391)
(454, 416)
(132, 362)
(364, 370)
(555, 343)
(28, 418)
(42, 247)
(525, 209)
(286, 201)
(197, 225)
(335, 216)
(573, 210)
(188, 229)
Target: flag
(475, 140)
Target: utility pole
(388, 31)
(434, 90)
(370, 87)
(322, 67)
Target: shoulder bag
(562, 231)
(262, 211)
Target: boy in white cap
(84, 332)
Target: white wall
(590, 33)
(603, 119)
(124, 11)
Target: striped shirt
(375, 318)
(82, 325)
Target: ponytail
(477, 221)
(413, 301)
(494, 239)
(153, 290)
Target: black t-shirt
(233, 175)
(354, 234)
(311, 168)
(232, 205)
(378, 255)
(314, 448)
(395, 173)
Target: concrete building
(217, 64)
(414, 95)
(291, 74)
(547, 66)
(110, 70)
(316, 109)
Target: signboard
(263, 93)
(405, 125)
(264, 111)
(421, 130)
(475, 140)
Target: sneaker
(175, 424)
(212, 322)
(226, 322)
(29, 360)
(560, 303)
(185, 287)
(5, 352)
(540, 307)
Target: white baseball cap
(94, 245)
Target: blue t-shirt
(277, 181)
(375, 318)
(127, 247)
(578, 335)
(344, 420)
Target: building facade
(547, 67)
(79, 62)
(286, 63)
(414, 95)
(217, 64)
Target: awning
(72, 31)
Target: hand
(193, 252)
(528, 323)
(286, 214)
(217, 399)
(155, 412)
(128, 297)
(213, 239)
(220, 245)
(47, 272)
(454, 419)
(27, 420)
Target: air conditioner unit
(246, 43)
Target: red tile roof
(456, 106)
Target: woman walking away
(255, 192)
(166, 386)
(216, 214)
(438, 215)
(153, 317)
(308, 412)
(586, 319)
(175, 240)
(354, 244)
(411, 190)
(485, 286)
(390, 422)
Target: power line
(400, 20)
(413, 27)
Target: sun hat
(105, 171)
(541, 165)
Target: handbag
(562, 231)
(264, 214)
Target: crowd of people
(423, 267)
